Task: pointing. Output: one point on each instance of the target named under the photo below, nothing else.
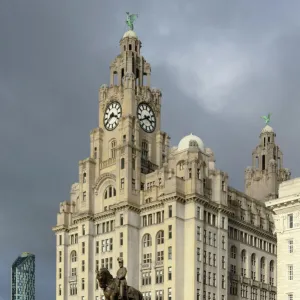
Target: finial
(130, 20)
(267, 118)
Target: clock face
(146, 117)
(112, 115)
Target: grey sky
(220, 65)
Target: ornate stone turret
(262, 179)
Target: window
(243, 256)
(233, 252)
(223, 242)
(122, 163)
(59, 273)
(59, 290)
(113, 146)
(60, 239)
(223, 282)
(223, 262)
(290, 246)
(82, 283)
(215, 240)
(145, 150)
(198, 274)
(170, 231)
(160, 255)
(147, 258)
(290, 221)
(290, 297)
(84, 177)
(121, 238)
(223, 223)
(122, 183)
(204, 236)
(170, 211)
(169, 294)
(159, 295)
(110, 192)
(73, 256)
(198, 212)
(169, 273)
(190, 173)
(84, 196)
(198, 254)
(233, 288)
(82, 266)
(97, 265)
(198, 233)
(97, 247)
(160, 237)
(147, 240)
(290, 272)
(83, 229)
(169, 252)
(95, 152)
(121, 219)
(159, 276)
(83, 248)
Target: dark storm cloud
(220, 65)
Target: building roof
(130, 34)
(187, 141)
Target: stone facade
(168, 211)
(287, 224)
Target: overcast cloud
(220, 65)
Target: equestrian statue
(117, 288)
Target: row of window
(251, 240)
(159, 295)
(233, 290)
(199, 238)
(154, 218)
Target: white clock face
(112, 115)
(146, 117)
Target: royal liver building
(182, 232)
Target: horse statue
(111, 289)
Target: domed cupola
(190, 141)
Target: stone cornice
(255, 230)
(283, 202)
(59, 228)
(82, 217)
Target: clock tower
(128, 143)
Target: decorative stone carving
(101, 179)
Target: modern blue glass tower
(23, 277)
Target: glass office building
(23, 277)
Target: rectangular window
(97, 247)
(170, 231)
(198, 274)
(82, 283)
(290, 246)
(83, 229)
(169, 252)
(198, 233)
(122, 183)
(83, 248)
(290, 297)
(82, 266)
(223, 242)
(198, 254)
(60, 239)
(290, 272)
(160, 255)
(223, 262)
(198, 212)
(169, 294)
(121, 219)
(73, 272)
(169, 273)
(121, 238)
(204, 236)
(290, 221)
(170, 211)
(84, 196)
(59, 273)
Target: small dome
(267, 128)
(130, 34)
(190, 140)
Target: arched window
(122, 163)
(73, 256)
(84, 177)
(113, 146)
(233, 252)
(110, 192)
(147, 240)
(160, 237)
(272, 272)
(243, 255)
(262, 263)
(253, 259)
